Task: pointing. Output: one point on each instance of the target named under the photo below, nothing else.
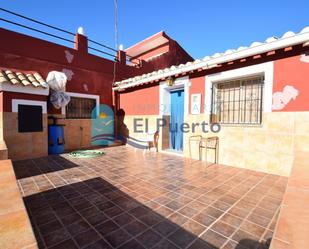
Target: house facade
(258, 96)
(254, 99)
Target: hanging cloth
(57, 82)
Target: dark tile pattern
(130, 200)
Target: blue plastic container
(55, 139)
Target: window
(30, 118)
(80, 108)
(238, 101)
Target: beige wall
(1, 125)
(77, 133)
(3, 147)
(152, 126)
(3, 150)
(269, 147)
(23, 145)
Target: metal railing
(37, 30)
(54, 35)
(111, 51)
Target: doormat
(86, 153)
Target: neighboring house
(259, 95)
(157, 52)
(90, 80)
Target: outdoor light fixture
(170, 81)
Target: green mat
(86, 153)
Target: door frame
(177, 91)
(165, 98)
(182, 83)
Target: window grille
(80, 108)
(238, 101)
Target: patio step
(3, 150)
(292, 228)
(15, 228)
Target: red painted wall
(24, 46)
(169, 53)
(293, 72)
(91, 74)
(288, 71)
(174, 56)
(159, 50)
(197, 86)
(145, 100)
(9, 96)
(142, 101)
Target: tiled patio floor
(131, 200)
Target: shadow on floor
(95, 214)
(39, 166)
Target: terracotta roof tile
(22, 78)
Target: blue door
(177, 112)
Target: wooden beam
(306, 44)
(258, 56)
(288, 49)
(271, 53)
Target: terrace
(127, 198)
(149, 200)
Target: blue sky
(201, 27)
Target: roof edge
(147, 39)
(288, 39)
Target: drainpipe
(122, 60)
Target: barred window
(238, 101)
(80, 108)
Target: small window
(80, 108)
(30, 118)
(238, 101)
